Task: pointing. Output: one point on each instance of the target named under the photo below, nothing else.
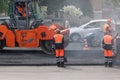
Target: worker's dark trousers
(108, 62)
(60, 61)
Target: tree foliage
(72, 11)
(2, 5)
(72, 14)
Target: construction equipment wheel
(1, 44)
(46, 46)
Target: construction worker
(58, 43)
(107, 26)
(107, 45)
(67, 25)
(22, 9)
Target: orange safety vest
(108, 39)
(108, 42)
(58, 38)
(107, 27)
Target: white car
(78, 33)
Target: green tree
(72, 14)
(2, 5)
(41, 11)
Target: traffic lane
(56, 73)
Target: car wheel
(96, 42)
(76, 38)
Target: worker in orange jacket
(22, 9)
(107, 45)
(107, 26)
(58, 42)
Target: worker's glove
(53, 47)
(65, 59)
(103, 46)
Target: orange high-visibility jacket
(58, 41)
(58, 38)
(108, 39)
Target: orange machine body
(26, 38)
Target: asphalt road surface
(74, 52)
(56, 73)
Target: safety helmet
(108, 20)
(57, 30)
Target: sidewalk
(56, 73)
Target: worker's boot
(62, 64)
(62, 61)
(106, 64)
(110, 64)
(58, 64)
(58, 61)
